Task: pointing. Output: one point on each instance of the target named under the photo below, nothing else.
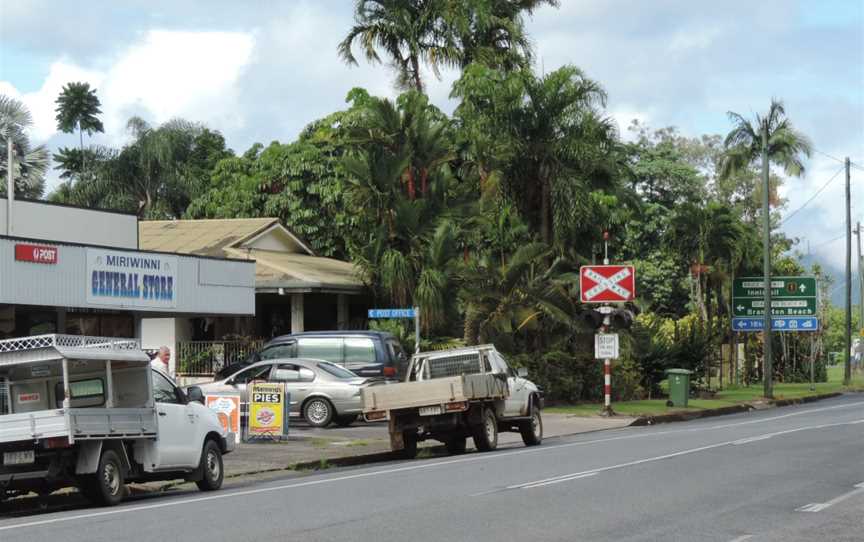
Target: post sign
(790, 296)
(607, 283)
(227, 408)
(392, 313)
(131, 279)
(25, 252)
(266, 409)
(606, 346)
(798, 323)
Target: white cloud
(166, 74)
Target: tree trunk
(415, 67)
(424, 181)
(545, 211)
(412, 190)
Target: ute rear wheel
(345, 420)
(107, 484)
(409, 438)
(486, 433)
(456, 445)
(212, 471)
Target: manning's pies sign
(131, 279)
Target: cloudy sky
(261, 70)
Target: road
(780, 474)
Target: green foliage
(29, 163)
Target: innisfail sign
(794, 304)
(607, 283)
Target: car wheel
(212, 471)
(107, 484)
(456, 445)
(410, 441)
(486, 433)
(346, 420)
(532, 430)
(318, 412)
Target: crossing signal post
(606, 344)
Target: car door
(299, 382)
(518, 386)
(178, 426)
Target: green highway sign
(780, 287)
(790, 296)
(779, 307)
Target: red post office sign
(36, 253)
(607, 283)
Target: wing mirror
(522, 372)
(194, 394)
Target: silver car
(321, 392)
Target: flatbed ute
(450, 395)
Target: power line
(840, 160)
(806, 203)
(841, 236)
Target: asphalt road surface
(794, 473)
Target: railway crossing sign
(607, 283)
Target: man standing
(161, 360)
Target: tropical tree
(29, 163)
(407, 31)
(78, 109)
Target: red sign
(607, 283)
(36, 254)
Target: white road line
(742, 538)
(819, 506)
(575, 475)
(550, 482)
(429, 465)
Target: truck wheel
(532, 430)
(212, 472)
(486, 434)
(410, 449)
(106, 485)
(345, 420)
(456, 445)
(318, 412)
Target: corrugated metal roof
(273, 269)
(200, 237)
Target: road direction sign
(392, 313)
(800, 323)
(790, 296)
(607, 283)
(606, 346)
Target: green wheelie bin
(679, 387)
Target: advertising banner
(131, 279)
(266, 409)
(228, 409)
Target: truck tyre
(486, 433)
(106, 485)
(456, 445)
(318, 412)
(345, 420)
(532, 430)
(212, 472)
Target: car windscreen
(336, 371)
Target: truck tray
(79, 424)
(437, 391)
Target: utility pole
(847, 377)
(767, 366)
(860, 278)
(10, 183)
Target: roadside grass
(728, 397)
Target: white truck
(92, 413)
(450, 395)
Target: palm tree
(29, 164)
(408, 31)
(77, 109)
(773, 139)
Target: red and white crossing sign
(607, 283)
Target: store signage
(131, 279)
(25, 252)
(266, 409)
(227, 408)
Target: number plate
(25, 457)
(430, 411)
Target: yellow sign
(266, 409)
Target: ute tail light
(389, 371)
(56, 442)
(376, 415)
(457, 406)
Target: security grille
(68, 341)
(4, 396)
(461, 364)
